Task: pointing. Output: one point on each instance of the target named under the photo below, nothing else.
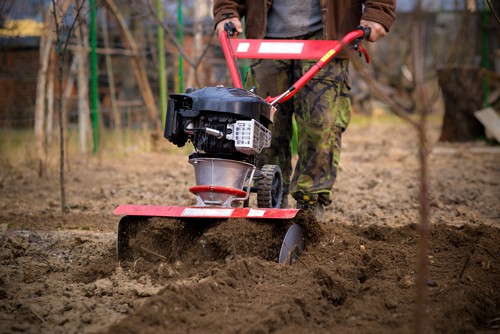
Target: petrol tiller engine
(229, 128)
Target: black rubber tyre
(270, 187)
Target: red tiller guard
(325, 50)
(204, 212)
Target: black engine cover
(237, 103)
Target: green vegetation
(17, 146)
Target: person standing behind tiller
(322, 108)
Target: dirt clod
(59, 272)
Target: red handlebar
(336, 48)
(230, 59)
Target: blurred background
(103, 69)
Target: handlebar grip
(230, 28)
(366, 31)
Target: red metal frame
(218, 189)
(204, 212)
(325, 50)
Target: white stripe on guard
(206, 212)
(256, 213)
(243, 47)
(290, 48)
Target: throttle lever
(358, 45)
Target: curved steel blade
(292, 246)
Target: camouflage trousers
(322, 111)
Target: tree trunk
(83, 92)
(49, 125)
(69, 85)
(463, 95)
(46, 41)
(201, 11)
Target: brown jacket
(339, 16)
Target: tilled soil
(59, 272)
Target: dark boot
(310, 202)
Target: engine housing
(220, 122)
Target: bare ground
(59, 273)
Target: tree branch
(173, 39)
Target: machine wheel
(270, 187)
